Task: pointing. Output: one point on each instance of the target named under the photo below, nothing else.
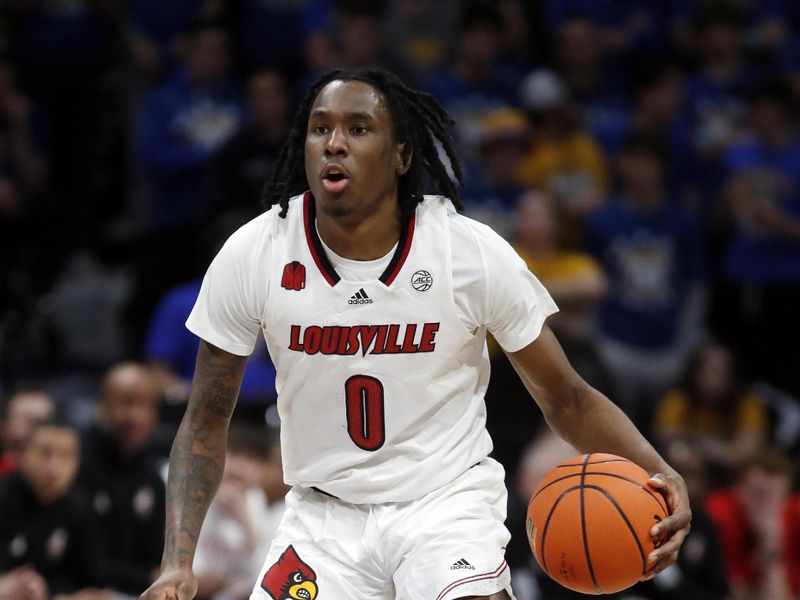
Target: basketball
(589, 523)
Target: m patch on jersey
(294, 276)
(290, 578)
(421, 281)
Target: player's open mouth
(334, 181)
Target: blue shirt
(468, 102)
(179, 128)
(677, 135)
(161, 21)
(272, 32)
(757, 255)
(169, 341)
(653, 258)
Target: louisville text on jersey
(347, 340)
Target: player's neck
(369, 238)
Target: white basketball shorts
(448, 544)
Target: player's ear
(403, 158)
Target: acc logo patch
(421, 281)
(290, 578)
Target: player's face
(352, 161)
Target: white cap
(541, 90)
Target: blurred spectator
(317, 26)
(491, 182)
(121, 476)
(517, 45)
(652, 253)
(658, 92)
(413, 30)
(183, 123)
(699, 573)
(349, 37)
(715, 91)
(228, 555)
(574, 279)
(758, 523)
(273, 31)
(245, 163)
(623, 25)
(715, 409)
(65, 53)
(23, 165)
(86, 310)
(564, 159)
(23, 177)
(762, 259)
(21, 413)
(153, 28)
(766, 22)
(474, 83)
(45, 524)
(789, 63)
(593, 80)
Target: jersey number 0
(364, 404)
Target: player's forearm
(577, 412)
(592, 423)
(198, 452)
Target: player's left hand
(669, 534)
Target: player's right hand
(174, 583)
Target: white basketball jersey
(380, 385)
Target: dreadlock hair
(418, 121)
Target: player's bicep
(547, 374)
(216, 382)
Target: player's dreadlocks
(418, 121)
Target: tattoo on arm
(198, 452)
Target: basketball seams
(637, 484)
(622, 514)
(614, 475)
(596, 462)
(547, 524)
(583, 527)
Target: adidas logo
(461, 564)
(360, 297)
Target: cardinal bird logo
(290, 578)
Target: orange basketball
(589, 523)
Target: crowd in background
(642, 157)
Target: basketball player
(375, 301)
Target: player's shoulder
(256, 231)
(466, 230)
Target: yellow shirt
(565, 166)
(677, 412)
(560, 265)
